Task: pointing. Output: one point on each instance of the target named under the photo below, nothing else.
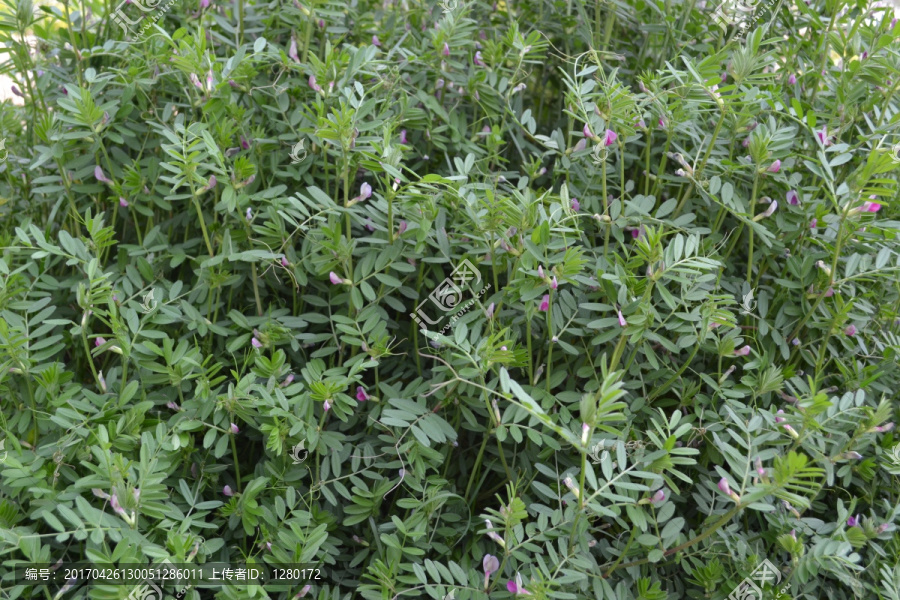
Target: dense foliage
(674, 265)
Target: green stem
(752, 213)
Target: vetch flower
(376, 41)
(402, 136)
(312, 83)
(576, 205)
(553, 283)
(99, 341)
(545, 303)
(792, 198)
(477, 60)
(305, 589)
(326, 405)
(490, 311)
(813, 223)
(723, 485)
(255, 343)
(123, 202)
(882, 428)
(287, 380)
(851, 455)
(850, 330)
(492, 534)
(249, 214)
(284, 262)
(746, 142)
(292, 50)
(792, 79)
(742, 351)
(823, 136)
(853, 521)
(779, 419)
(516, 587)
(365, 192)
(541, 271)
(227, 491)
(775, 166)
(446, 50)
(361, 394)
(101, 177)
(659, 497)
(587, 132)
(768, 212)
(759, 467)
(610, 137)
(622, 321)
(490, 564)
(235, 429)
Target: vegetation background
(679, 357)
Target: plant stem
(752, 212)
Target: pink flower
(313, 84)
(581, 145)
(853, 521)
(369, 225)
(792, 198)
(541, 271)
(292, 50)
(402, 136)
(553, 283)
(545, 303)
(814, 223)
(490, 311)
(477, 60)
(99, 341)
(768, 212)
(402, 227)
(287, 380)
(211, 183)
(576, 205)
(659, 497)
(746, 142)
(774, 167)
(490, 564)
(335, 280)
(742, 351)
(871, 207)
(227, 491)
(196, 81)
(98, 173)
(610, 138)
(255, 343)
(622, 322)
(850, 330)
(376, 41)
(723, 485)
(777, 418)
(759, 468)
(361, 394)
(305, 589)
(284, 262)
(662, 123)
(587, 132)
(823, 136)
(123, 202)
(235, 429)
(446, 50)
(326, 405)
(792, 79)
(173, 405)
(365, 191)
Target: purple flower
(576, 205)
(742, 351)
(795, 342)
(326, 405)
(196, 81)
(446, 50)
(622, 321)
(661, 123)
(245, 143)
(774, 167)
(853, 521)
(792, 79)
(305, 589)
(361, 394)
(284, 262)
(792, 198)
(746, 142)
(545, 303)
(850, 330)
(287, 380)
(402, 136)
(98, 173)
(659, 496)
(255, 343)
(477, 60)
(292, 50)
(490, 564)
(173, 405)
(211, 183)
(16, 91)
(813, 223)
(365, 192)
(312, 83)
(610, 138)
(335, 279)
(829, 292)
(227, 491)
(99, 341)
(779, 419)
(235, 429)
(553, 283)
(249, 214)
(376, 41)
(516, 587)
(402, 227)
(490, 311)
(871, 207)
(587, 132)
(823, 136)
(204, 4)
(642, 124)
(723, 485)
(123, 202)
(759, 467)
(541, 271)
(865, 55)
(768, 212)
